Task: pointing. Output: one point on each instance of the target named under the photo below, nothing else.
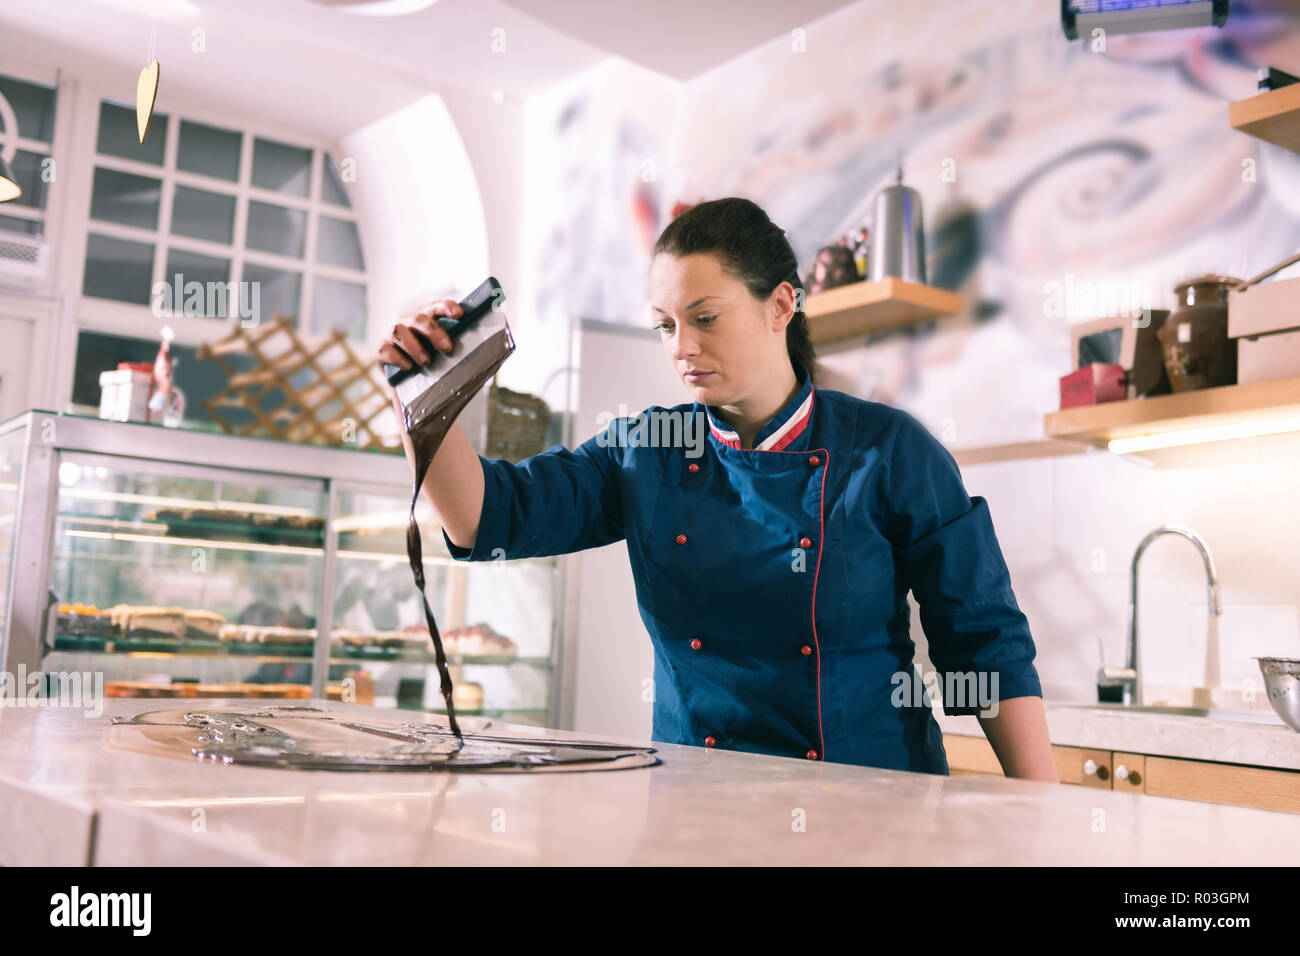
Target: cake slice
(203, 625)
(135, 621)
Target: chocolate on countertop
(294, 737)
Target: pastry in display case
(183, 564)
(466, 695)
(268, 634)
(129, 621)
(84, 620)
(228, 524)
(479, 640)
(202, 625)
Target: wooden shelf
(1098, 424)
(1273, 116)
(1016, 451)
(865, 307)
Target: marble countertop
(71, 798)
(1259, 739)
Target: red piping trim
(729, 442)
(796, 430)
(821, 538)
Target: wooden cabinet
(1129, 772)
(1264, 788)
(974, 756)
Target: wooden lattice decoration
(339, 406)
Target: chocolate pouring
(427, 420)
(445, 387)
(431, 396)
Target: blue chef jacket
(773, 581)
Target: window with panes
(207, 204)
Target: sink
(1213, 713)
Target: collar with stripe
(782, 429)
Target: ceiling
(294, 58)
(301, 58)
(679, 38)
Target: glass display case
(189, 564)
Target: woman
(773, 555)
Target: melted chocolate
(428, 419)
(252, 738)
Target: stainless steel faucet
(1127, 677)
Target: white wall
(1069, 526)
(423, 231)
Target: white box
(1267, 358)
(124, 395)
(1271, 306)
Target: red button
(696, 644)
(811, 755)
(815, 460)
(681, 539)
(692, 468)
(805, 542)
(806, 650)
(709, 741)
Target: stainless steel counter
(68, 798)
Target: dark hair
(751, 248)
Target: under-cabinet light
(1198, 436)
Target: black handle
(473, 307)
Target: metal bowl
(1282, 680)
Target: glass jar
(1194, 339)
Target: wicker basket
(517, 423)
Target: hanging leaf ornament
(146, 92)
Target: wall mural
(1067, 169)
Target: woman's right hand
(454, 481)
(424, 320)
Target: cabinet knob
(1090, 767)
(1121, 772)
